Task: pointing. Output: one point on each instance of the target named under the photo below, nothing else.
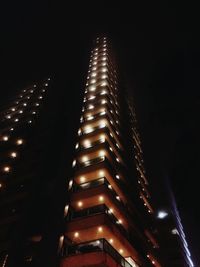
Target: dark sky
(158, 48)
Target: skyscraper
(110, 214)
(110, 217)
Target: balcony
(97, 253)
(101, 131)
(99, 147)
(89, 194)
(99, 222)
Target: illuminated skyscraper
(110, 214)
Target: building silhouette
(80, 199)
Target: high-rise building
(110, 217)
(110, 214)
(20, 159)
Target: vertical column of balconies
(95, 189)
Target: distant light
(6, 169)
(13, 154)
(19, 141)
(82, 179)
(80, 204)
(100, 229)
(162, 214)
(76, 234)
(121, 251)
(5, 138)
(101, 198)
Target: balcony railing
(95, 246)
(103, 209)
(96, 183)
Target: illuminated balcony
(99, 149)
(96, 223)
(97, 253)
(103, 124)
(92, 175)
(98, 192)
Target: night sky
(158, 49)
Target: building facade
(110, 215)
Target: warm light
(8, 117)
(6, 169)
(117, 197)
(109, 186)
(91, 97)
(19, 141)
(101, 153)
(76, 145)
(117, 176)
(13, 109)
(1, 185)
(13, 154)
(90, 107)
(90, 118)
(84, 158)
(66, 210)
(87, 143)
(82, 179)
(73, 163)
(70, 184)
(93, 81)
(102, 124)
(101, 173)
(153, 262)
(111, 240)
(76, 234)
(121, 251)
(5, 138)
(100, 229)
(88, 129)
(120, 221)
(24, 104)
(80, 204)
(104, 84)
(92, 88)
(16, 120)
(21, 111)
(101, 198)
(110, 211)
(102, 138)
(103, 101)
(93, 74)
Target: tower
(109, 216)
